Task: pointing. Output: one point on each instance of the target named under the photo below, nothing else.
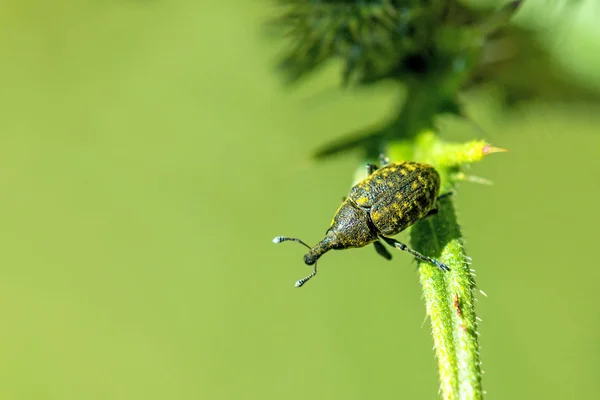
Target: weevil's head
(329, 242)
(310, 258)
(349, 228)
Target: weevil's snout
(328, 243)
(310, 258)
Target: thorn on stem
(489, 149)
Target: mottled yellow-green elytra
(388, 201)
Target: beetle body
(385, 203)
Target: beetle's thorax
(351, 227)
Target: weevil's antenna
(280, 239)
(302, 281)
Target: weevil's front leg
(416, 254)
(382, 251)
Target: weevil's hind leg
(444, 195)
(381, 250)
(431, 212)
(435, 209)
(416, 254)
(371, 168)
(383, 160)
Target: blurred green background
(148, 155)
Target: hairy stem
(450, 305)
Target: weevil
(386, 202)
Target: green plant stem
(435, 50)
(450, 300)
(449, 296)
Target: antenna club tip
(278, 239)
(298, 284)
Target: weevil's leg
(383, 160)
(381, 250)
(435, 210)
(431, 212)
(416, 254)
(371, 168)
(443, 195)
